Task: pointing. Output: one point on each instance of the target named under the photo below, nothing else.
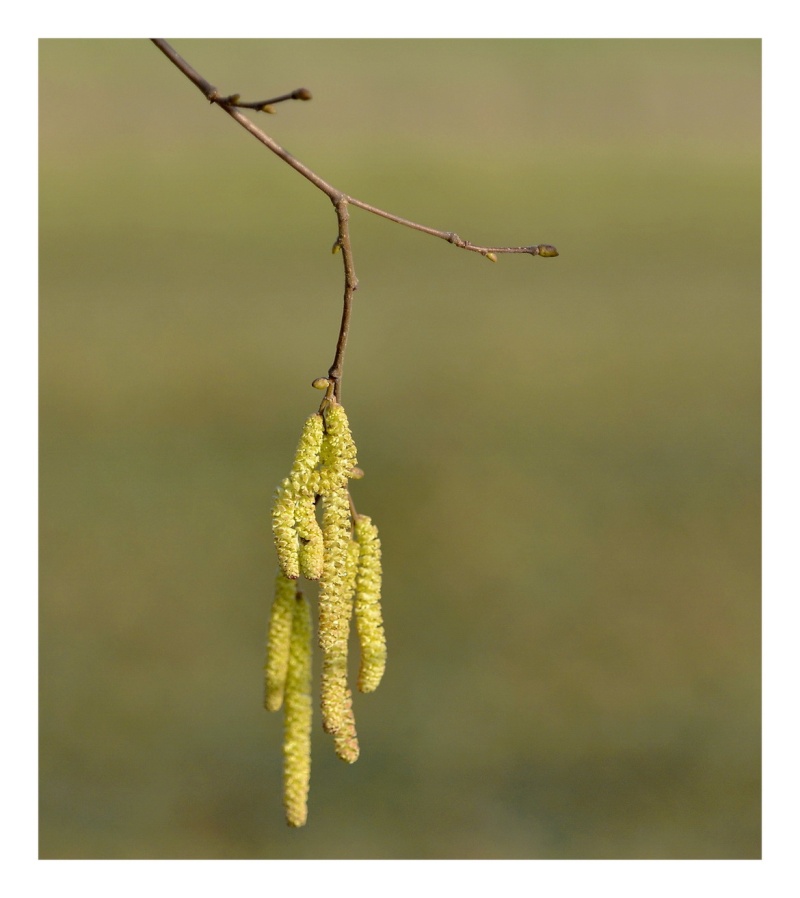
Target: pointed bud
(546, 251)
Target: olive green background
(563, 455)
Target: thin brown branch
(542, 249)
(301, 93)
(212, 94)
(232, 103)
(196, 78)
(350, 287)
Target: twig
(263, 105)
(350, 286)
(232, 103)
(542, 249)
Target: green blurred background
(563, 455)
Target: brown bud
(546, 250)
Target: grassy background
(562, 455)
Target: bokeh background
(563, 455)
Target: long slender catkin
(297, 717)
(278, 639)
(297, 534)
(334, 659)
(369, 618)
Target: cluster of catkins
(342, 553)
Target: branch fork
(232, 103)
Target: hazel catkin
(297, 717)
(298, 538)
(338, 451)
(345, 739)
(369, 618)
(342, 551)
(278, 638)
(336, 539)
(306, 457)
(334, 660)
(284, 530)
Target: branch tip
(235, 100)
(545, 250)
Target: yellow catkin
(310, 555)
(345, 739)
(284, 531)
(293, 519)
(334, 659)
(306, 457)
(333, 690)
(336, 536)
(338, 451)
(311, 558)
(369, 619)
(297, 717)
(304, 479)
(278, 638)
